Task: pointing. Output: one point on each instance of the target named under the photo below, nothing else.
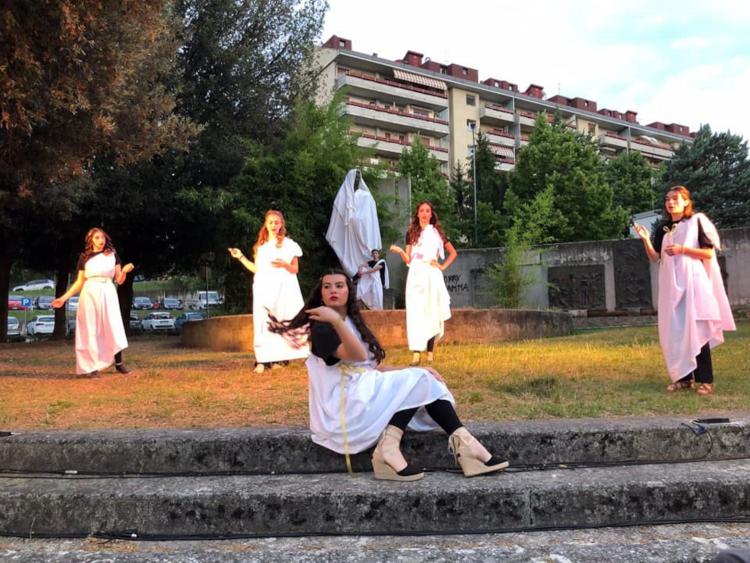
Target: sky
(685, 62)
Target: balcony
(491, 113)
(504, 164)
(651, 150)
(360, 84)
(498, 137)
(394, 119)
(608, 139)
(391, 146)
(502, 151)
(524, 139)
(527, 118)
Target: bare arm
(72, 290)
(452, 253)
(291, 267)
(644, 235)
(351, 347)
(237, 254)
(404, 254)
(122, 272)
(697, 253)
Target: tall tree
(77, 80)
(429, 183)
(632, 181)
(716, 170)
(491, 184)
(569, 164)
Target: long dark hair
(88, 243)
(301, 322)
(414, 230)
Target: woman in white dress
(427, 298)
(275, 290)
(355, 402)
(100, 333)
(693, 308)
(373, 279)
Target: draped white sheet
(353, 231)
(693, 305)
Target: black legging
(118, 358)
(441, 411)
(430, 345)
(704, 371)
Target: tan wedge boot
(387, 461)
(472, 456)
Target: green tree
(429, 183)
(716, 170)
(568, 164)
(632, 181)
(78, 79)
(491, 184)
(300, 176)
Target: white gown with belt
(371, 398)
(100, 333)
(275, 290)
(427, 298)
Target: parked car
(35, 285)
(70, 326)
(14, 303)
(162, 322)
(212, 298)
(189, 317)
(43, 302)
(73, 303)
(170, 303)
(134, 322)
(142, 303)
(14, 330)
(41, 326)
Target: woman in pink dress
(100, 334)
(693, 307)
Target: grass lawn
(614, 372)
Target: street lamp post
(473, 126)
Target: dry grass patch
(615, 372)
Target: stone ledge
(235, 333)
(339, 504)
(290, 450)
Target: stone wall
(235, 333)
(611, 275)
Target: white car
(162, 322)
(73, 303)
(41, 326)
(14, 330)
(35, 285)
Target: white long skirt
(100, 333)
(371, 398)
(370, 291)
(427, 305)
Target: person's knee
(732, 556)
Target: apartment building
(390, 103)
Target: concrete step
(290, 450)
(687, 543)
(442, 503)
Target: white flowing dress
(693, 305)
(275, 290)
(100, 333)
(427, 298)
(370, 286)
(371, 398)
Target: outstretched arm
(404, 254)
(72, 290)
(237, 254)
(645, 236)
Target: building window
(421, 112)
(465, 71)
(471, 124)
(592, 128)
(471, 100)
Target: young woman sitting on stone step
(355, 402)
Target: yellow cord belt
(346, 369)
